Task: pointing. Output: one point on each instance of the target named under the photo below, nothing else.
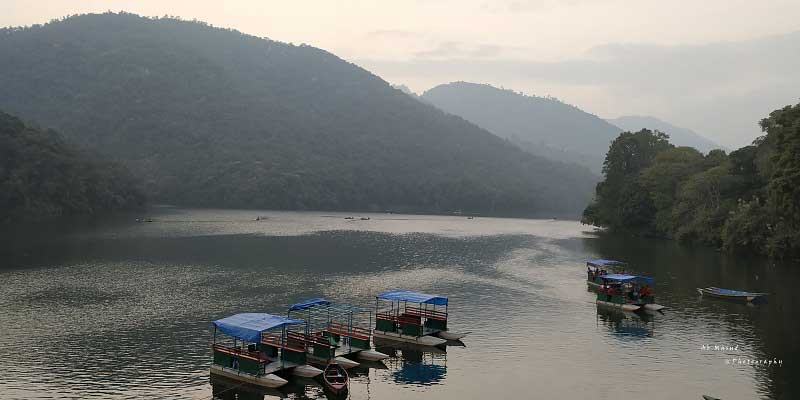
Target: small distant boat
(335, 378)
(349, 218)
(731, 294)
(364, 218)
(707, 397)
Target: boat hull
(746, 297)
(371, 355)
(449, 335)
(306, 371)
(653, 307)
(419, 340)
(271, 381)
(623, 307)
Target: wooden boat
(335, 378)
(731, 294)
(707, 397)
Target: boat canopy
(249, 326)
(604, 263)
(414, 297)
(319, 301)
(628, 278)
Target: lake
(120, 309)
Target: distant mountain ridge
(540, 125)
(212, 117)
(678, 136)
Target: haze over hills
(43, 176)
(213, 117)
(540, 125)
(678, 136)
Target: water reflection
(624, 324)
(123, 310)
(414, 365)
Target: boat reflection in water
(411, 364)
(229, 389)
(626, 324)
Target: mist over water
(122, 309)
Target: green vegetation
(212, 117)
(749, 199)
(42, 176)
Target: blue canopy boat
(343, 326)
(627, 292)
(259, 347)
(417, 323)
(731, 294)
(596, 268)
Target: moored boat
(258, 350)
(333, 331)
(335, 378)
(419, 322)
(731, 294)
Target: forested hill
(540, 125)
(213, 117)
(748, 199)
(42, 176)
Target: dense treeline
(748, 199)
(42, 176)
(213, 117)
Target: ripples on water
(123, 310)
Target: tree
(661, 179)
(783, 127)
(621, 203)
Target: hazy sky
(715, 66)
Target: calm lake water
(119, 309)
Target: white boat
(268, 380)
(371, 355)
(306, 371)
(448, 335)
